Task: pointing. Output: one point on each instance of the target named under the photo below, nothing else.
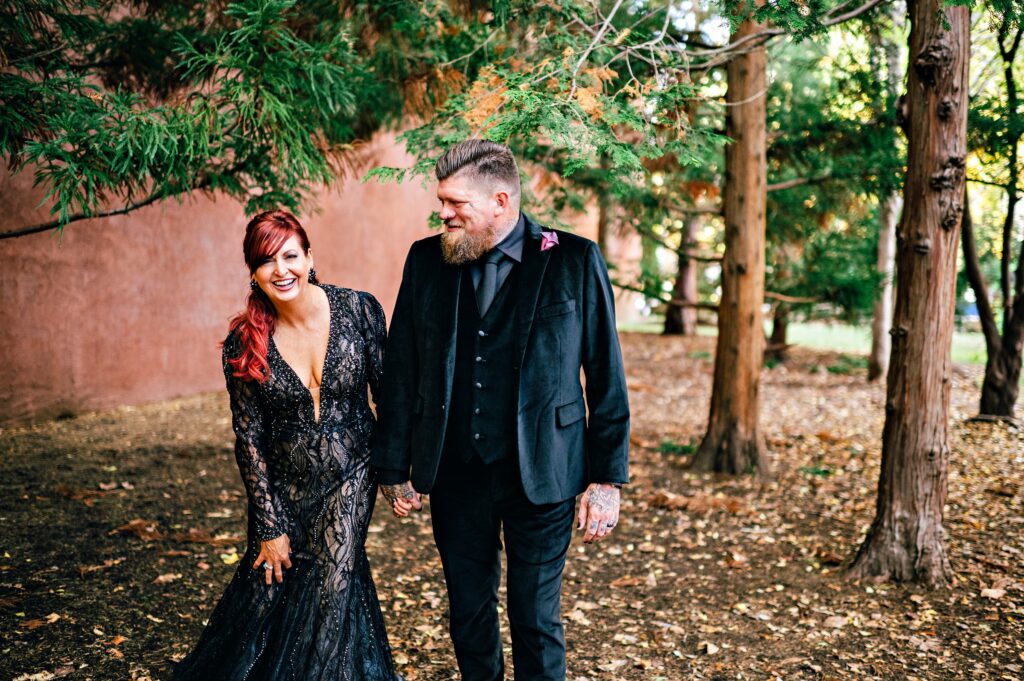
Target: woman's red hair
(264, 236)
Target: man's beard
(460, 247)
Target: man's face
(470, 210)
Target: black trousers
(470, 505)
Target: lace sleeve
(375, 336)
(247, 422)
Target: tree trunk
(1002, 383)
(889, 215)
(906, 539)
(680, 320)
(1002, 367)
(777, 345)
(733, 442)
(881, 321)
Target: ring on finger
(267, 566)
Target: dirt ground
(121, 529)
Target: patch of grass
(968, 347)
(670, 447)
(848, 364)
(820, 471)
(699, 354)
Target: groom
(482, 401)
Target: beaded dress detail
(312, 480)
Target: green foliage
(995, 128)
(833, 123)
(263, 99)
(590, 114)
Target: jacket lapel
(449, 280)
(534, 264)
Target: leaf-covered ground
(121, 529)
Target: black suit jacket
(566, 321)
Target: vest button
(477, 410)
(479, 359)
(476, 436)
(479, 385)
(481, 333)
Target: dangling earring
(312, 276)
(253, 285)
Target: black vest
(483, 410)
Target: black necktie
(488, 286)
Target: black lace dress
(312, 481)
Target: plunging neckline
(317, 413)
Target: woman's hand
(274, 553)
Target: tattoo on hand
(605, 500)
(400, 491)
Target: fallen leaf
(196, 536)
(83, 570)
(835, 622)
(35, 624)
(143, 529)
(167, 578)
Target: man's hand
(402, 497)
(599, 511)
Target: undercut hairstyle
(484, 160)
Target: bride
(298, 361)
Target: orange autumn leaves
(486, 96)
(489, 92)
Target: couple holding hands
(479, 403)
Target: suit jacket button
(477, 410)
(481, 333)
(476, 436)
(479, 385)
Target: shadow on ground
(704, 579)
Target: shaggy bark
(733, 443)
(906, 539)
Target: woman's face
(284, 275)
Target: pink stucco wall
(130, 309)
